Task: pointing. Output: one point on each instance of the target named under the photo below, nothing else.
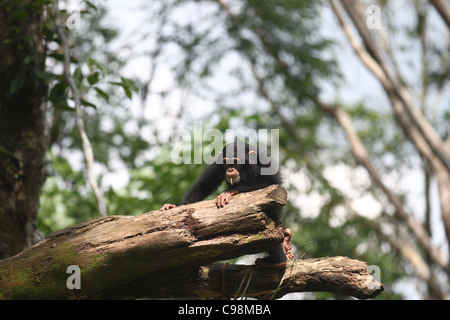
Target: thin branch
(387, 44)
(414, 124)
(443, 9)
(411, 117)
(422, 18)
(362, 158)
(353, 10)
(87, 148)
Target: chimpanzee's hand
(168, 206)
(224, 198)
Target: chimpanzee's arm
(207, 183)
(260, 182)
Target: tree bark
(23, 126)
(160, 254)
(339, 275)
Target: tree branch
(409, 115)
(361, 156)
(339, 275)
(160, 254)
(443, 9)
(87, 148)
(414, 124)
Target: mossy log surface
(164, 254)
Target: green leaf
(88, 104)
(78, 76)
(102, 94)
(94, 64)
(91, 5)
(128, 86)
(93, 78)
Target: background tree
(23, 130)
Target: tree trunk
(159, 254)
(23, 127)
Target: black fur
(250, 180)
(207, 183)
(213, 175)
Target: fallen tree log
(339, 275)
(161, 254)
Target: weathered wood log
(149, 255)
(339, 275)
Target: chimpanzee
(240, 165)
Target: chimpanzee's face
(237, 163)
